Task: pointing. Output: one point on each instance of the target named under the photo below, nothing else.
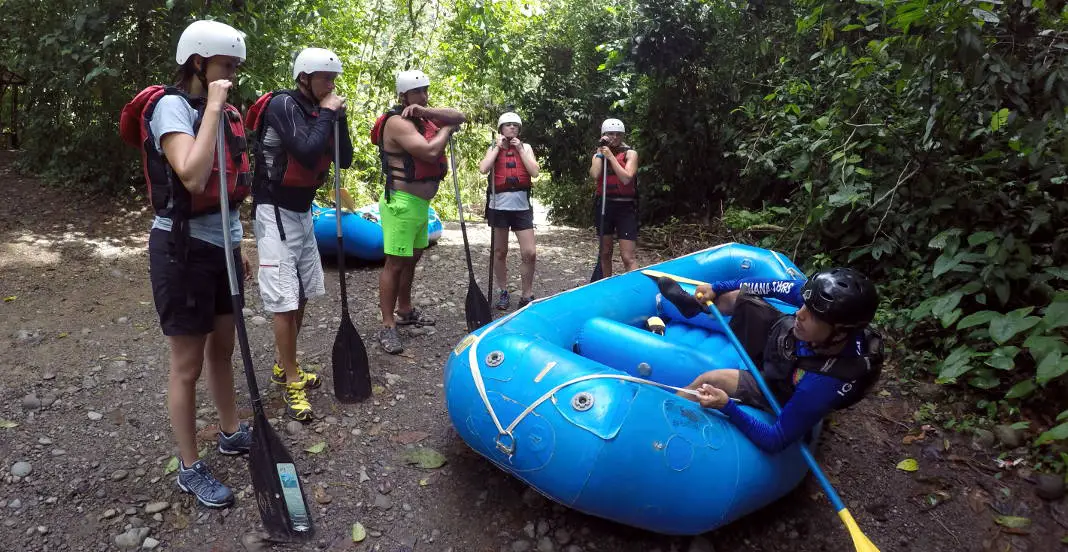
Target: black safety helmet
(841, 296)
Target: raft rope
(476, 374)
(503, 432)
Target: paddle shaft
(811, 460)
(231, 272)
(492, 205)
(460, 209)
(337, 215)
(598, 270)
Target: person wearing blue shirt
(822, 358)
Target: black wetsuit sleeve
(305, 142)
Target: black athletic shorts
(190, 294)
(514, 220)
(621, 219)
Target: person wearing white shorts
(294, 149)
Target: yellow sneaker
(311, 380)
(297, 405)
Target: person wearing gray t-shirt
(512, 167)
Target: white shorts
(290, 271)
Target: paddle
(670, 289)
(493, 231)
(283, 508)
(476, 308)
(598, 273)
(352, 375)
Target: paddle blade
(860, 541)
(476, 307)
(347, 203)
(276, 484)
(352, 372)
(597, 272)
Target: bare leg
(388, 284)
(407, 276)
(218, 356)
(500, 257)
(187, 359)
(607, 242)
(528, 255)
(627, 249)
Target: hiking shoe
(311, 379)
(297, 405)
(238, 442)
(414, 316)
(524, 301)
(390, 341)
(198, 481)
(502, 300)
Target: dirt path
(84, 377)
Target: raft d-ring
(495, 358)
(582, 401)
(746, 263)
(505, 448)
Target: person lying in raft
(822, 358)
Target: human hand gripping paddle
(283, 507)
(476, 308)
(352, 375)
(689, 306)
(598, 272)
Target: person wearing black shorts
(620, 196)
(512, 166)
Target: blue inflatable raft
(567, 394)
(361, 230)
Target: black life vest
(509, 173)
(414, 170)
(169, 197)
(286, 183)
(776, 352)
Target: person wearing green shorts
(411, 140)
(405, 219)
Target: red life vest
(414, 169)
(616, 188)
(509, 173)
(269, 186)
(169, 197)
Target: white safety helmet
(612, 125)
(210, 38)
(410, 80)
(508, 117)
(310, 60)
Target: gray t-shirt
(174, 114)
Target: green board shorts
(405, 218)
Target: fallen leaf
(424, 482)
(316, 448)
(321, 496)
(8, 424)
(377, 389)
(424, 457)
(172, 466)
(63, 334)
(358, 532)
(1013, 522)
(409, 437)
(1064, 540)
(909, 439)
(908, 464)
(10, 298)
